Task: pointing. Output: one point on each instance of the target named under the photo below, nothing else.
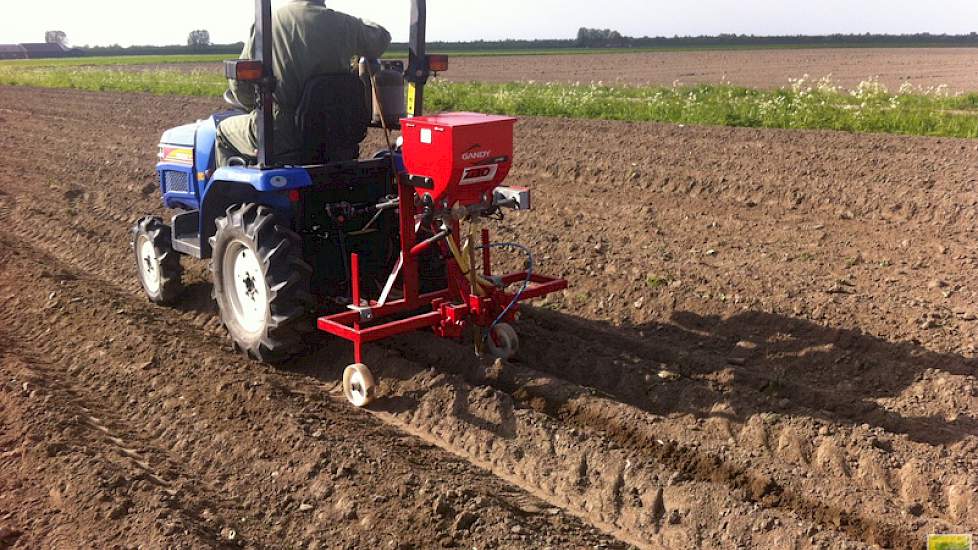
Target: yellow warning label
(412, 97)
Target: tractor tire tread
(171, 271)
(287, 276)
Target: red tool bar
(393, 308)
(543, 288)
(380, 332)
(535, 278)
(340, 324)
(451, 309)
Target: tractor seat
(332, 119)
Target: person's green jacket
(308, 40)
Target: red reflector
(294, 196)
(438, 63)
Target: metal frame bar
(266, 88)
(417, 71)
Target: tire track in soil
(89, 294)
(124, 457)
(94, 194)
(115, 423)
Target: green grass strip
(806, 105)
(114, 61)
(98, 79)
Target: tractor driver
(308, 40)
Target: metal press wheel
(359, 385)
(503, 342)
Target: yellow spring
(462, 259)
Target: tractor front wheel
(157, 264)
(261, 283)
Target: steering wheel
(232, 101)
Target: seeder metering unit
(463, 158)
(372, 248)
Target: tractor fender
(231, 186)
(280, 179)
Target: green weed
(655, 281)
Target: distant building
(41, 50)
(12, 51)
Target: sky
(129, 22)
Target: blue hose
(526, 283)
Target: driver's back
(309, 40)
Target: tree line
(115, 49)
(607, 38)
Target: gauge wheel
(359, 385)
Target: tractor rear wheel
(157, 264)
(261, 283)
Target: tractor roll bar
(266, 86)
(417, 71)
(416, 74)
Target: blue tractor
(294, 239)
(279, 231)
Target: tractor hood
(181, 135)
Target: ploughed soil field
(923, 68)
(772, 68)
(769, 342)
